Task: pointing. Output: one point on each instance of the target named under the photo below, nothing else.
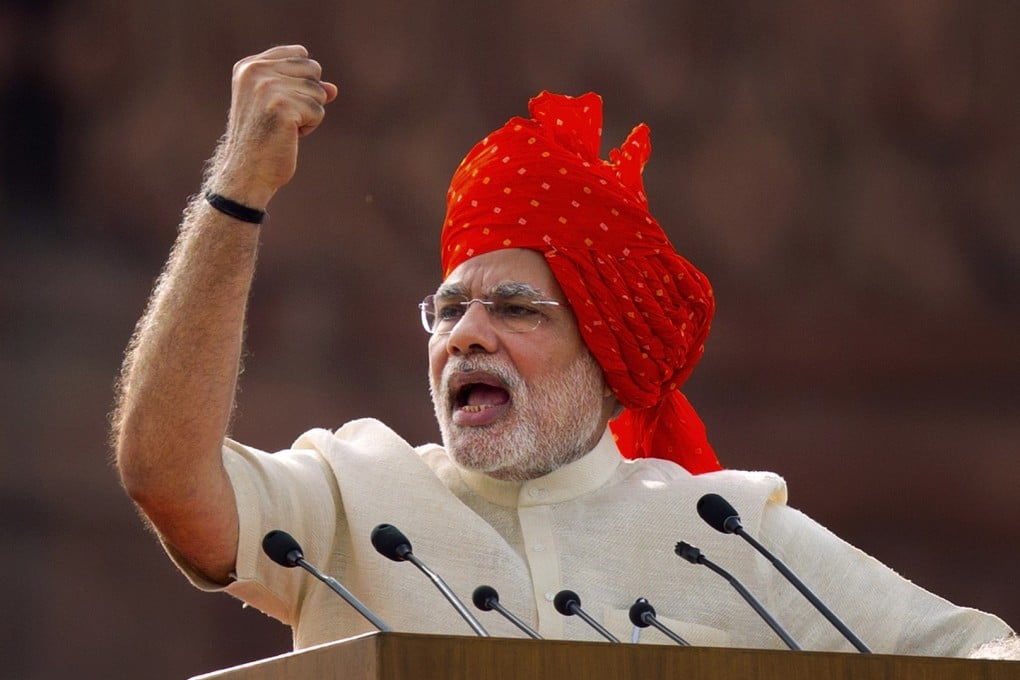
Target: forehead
(502, 270)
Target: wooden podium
(400, 656)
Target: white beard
(551, 423)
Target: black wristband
(235, 209)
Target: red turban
(642, 309)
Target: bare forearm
(177, 386)
(178, 383)
(181, 369)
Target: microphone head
(391, 542)
(484, 597)
(688, 552)
(718, 513)
(639, 612)
(282, 548)
(565, 602)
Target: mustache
(480, 364)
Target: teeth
(478, 408)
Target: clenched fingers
(277, 97)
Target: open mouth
(478, 399)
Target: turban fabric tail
(642, 309)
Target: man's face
(515, 405)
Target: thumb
(331, 90)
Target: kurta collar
(570, 481)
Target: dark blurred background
(847, 175)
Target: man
(563, 307)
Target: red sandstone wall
(847, 177)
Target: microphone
(486, 598)
(568, 603)
(285, 551)
(721, 516)
(642, 615)
(390, 542)
(694, 556)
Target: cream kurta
(602, 526)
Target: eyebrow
(504, 289)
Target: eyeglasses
(513, 313)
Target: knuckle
(245, 69)
(243, 64)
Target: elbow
(161, 478)
(131, 456)
(136, 475)
(147, 469)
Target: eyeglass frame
(526, 294)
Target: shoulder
(370, 445)
(366, 440)
(763, 486)
(660, 482)
(361, 433)
(361, 437)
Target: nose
(474, 332)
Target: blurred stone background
(847, 175)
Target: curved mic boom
(642, 615)
(283, 549)
(487, 599)
(721, 516)
(391, 542)
(568, 603)
(695, 556)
